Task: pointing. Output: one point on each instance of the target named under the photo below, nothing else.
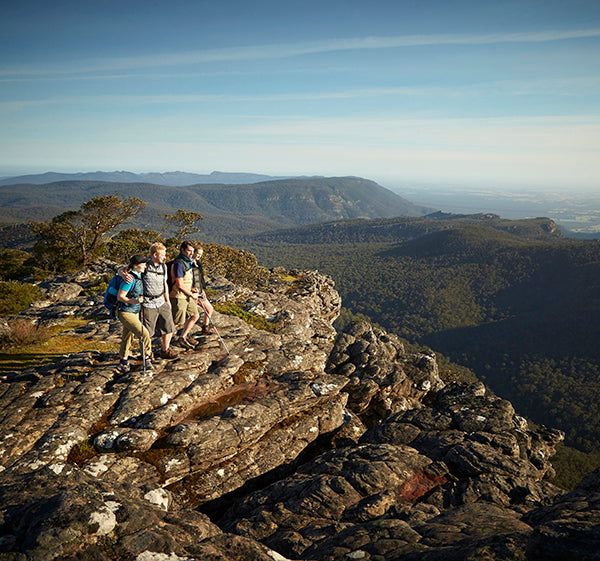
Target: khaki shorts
(183, 308)
(159, 321)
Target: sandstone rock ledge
(302, 443)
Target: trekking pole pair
(213, 324)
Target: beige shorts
(183, 308)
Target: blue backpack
(110, 296)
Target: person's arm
(122, 296)
(178, 272)
(125, 275)
(179, 284)
(166, 290)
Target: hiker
(184, 301)
(157, 316)
(130, 297)
(199, 284)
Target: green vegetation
(16, 296)
(27, 345)
(126, 243)
(571, 465)
(74, 238)
(511, 301)
(236, 265)
(83, 451)
(256, 320)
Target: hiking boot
(207, 330)
(149, 365)
(168, 354)
(124, 366)
(187, 343)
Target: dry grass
(22, 333)
(24, 353)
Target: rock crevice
(301, 443)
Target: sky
(487, 92)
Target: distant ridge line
(169, 178)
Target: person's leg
(179, 307)
(126, 338)
(166, 328)
(192, 317)
(133, 325)
(149, 319)
(207, 308)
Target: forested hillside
(228, 210)
(512, 300)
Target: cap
(137, 259)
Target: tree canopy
(74, 238)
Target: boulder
(293, 442)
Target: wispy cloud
(168, 99)
(573, 87)
(280, 51)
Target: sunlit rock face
(290, 441)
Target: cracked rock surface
(301, 443)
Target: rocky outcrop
(297, 443)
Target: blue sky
(482, 92)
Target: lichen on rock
(301, 443)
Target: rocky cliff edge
(301, 443)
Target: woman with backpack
(130, 298)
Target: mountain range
(228, 210)
(170, 178)
(512, 299)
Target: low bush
(17, 264)
(23, 333)
(16, 296)
(236, 265)
(256, 320)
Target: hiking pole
(213, 324)
(142, 338)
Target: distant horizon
(498, 93)
(392, 184)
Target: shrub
(98, 287)
(236, 265)
(129, 242)
(16, 296)
(22, 333)
(255, 320)
(17, 264)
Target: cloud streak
(282, 51)
(573, 87)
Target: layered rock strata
(301, 443)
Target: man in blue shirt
(184, 300)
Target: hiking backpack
(170, 279)
(110, 296)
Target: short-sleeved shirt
(179, 271)
(133, 289)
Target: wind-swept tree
(74, 238)
(184, 221)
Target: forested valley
(510, 302)
(513, 301)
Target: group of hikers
(156, 299)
